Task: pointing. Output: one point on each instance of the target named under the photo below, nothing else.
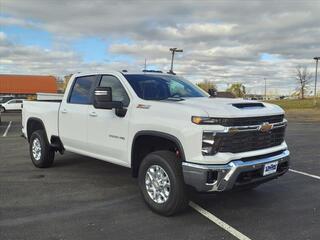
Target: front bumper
(237, 173)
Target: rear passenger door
(12, 105)
(19, 104)
(73, 115)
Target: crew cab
(168, 131)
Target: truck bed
(46, 111)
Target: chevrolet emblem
(265, 127)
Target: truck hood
(232, 107)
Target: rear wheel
(41, 154)
(161, 183)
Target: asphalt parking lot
(84, 198)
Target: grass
(287, 104)
(298, 110)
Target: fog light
(212, 176)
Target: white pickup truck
(167, 130)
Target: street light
(315, 79)
(265, 89)
(173, 50)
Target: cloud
(223, 41)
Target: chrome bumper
(237, 173)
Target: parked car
(12, 105)
(5, 98)
(166, 129)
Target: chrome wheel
(36, 149)
(157, 184)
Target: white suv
(11, 105)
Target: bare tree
(303, 77)
(206, 85)
(238, 89)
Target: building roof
(27, 84)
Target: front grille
(248, 140)
(227, 122)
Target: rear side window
(118, 91)
(82, 90)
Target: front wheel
(2, 109)
(41, 154)
(161, 183)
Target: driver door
(107, 133)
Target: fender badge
(143, 106)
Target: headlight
(209, 147)
(205, 120)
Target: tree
(303, 77)
(206, 85)
(238, 89)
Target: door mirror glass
(103, 99)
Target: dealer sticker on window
(270, 168)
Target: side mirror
(103, 99)
(212, 92)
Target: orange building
(27, 84)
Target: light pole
(265, 89)
(315, 80)
(173, 50)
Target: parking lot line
(306, 174)
(7, 129)
(218, 221)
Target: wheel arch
(34, 124)
(144, 140)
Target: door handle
(93, 114)
(64, 111)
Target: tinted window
(158, 87)
(118, 91)
(12, 101)
(19, 101)
(4, 99)
(82, 90)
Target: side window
(19, 101)
(82, 90)
(118, 91)
(12, 102)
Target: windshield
(160, 87)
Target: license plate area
(270, 168)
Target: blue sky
(27, 36)
(269, 57)
(90, 49)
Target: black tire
(177, 199)
(2, 109)
(46, 157)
